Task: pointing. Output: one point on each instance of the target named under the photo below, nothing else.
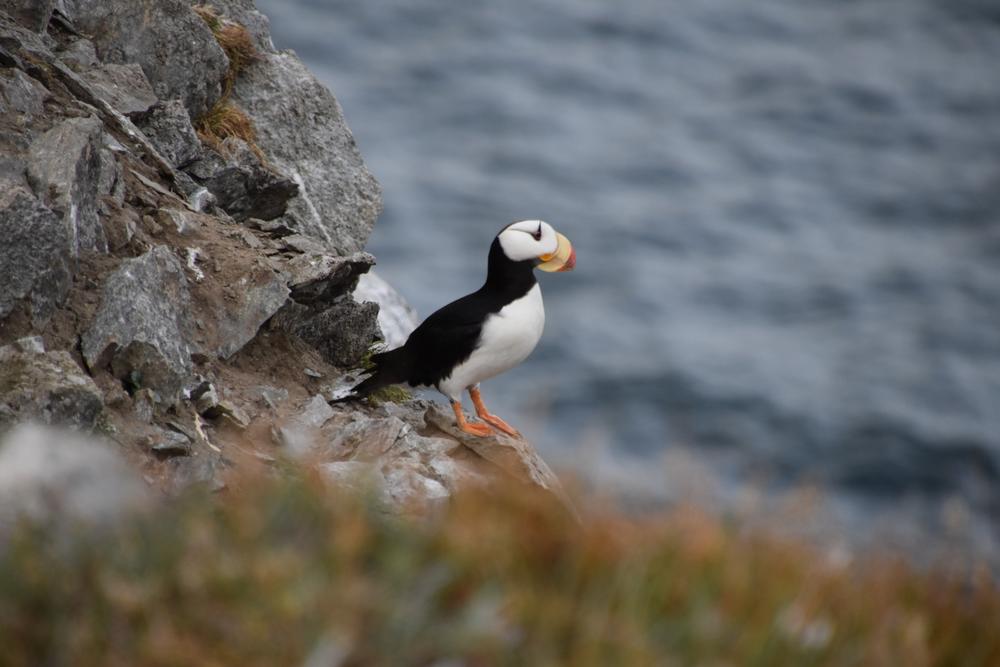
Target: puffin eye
(537, 234)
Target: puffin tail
(389, 368)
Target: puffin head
(537, 241)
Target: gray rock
(208, 404)
(260, 294)
(300, 433)
(123, 86)
(35, 256)
(119, 228)
(64, 171)
(355, 476)
(205, 397)
(408, 470)
(319, 278)
(166, 38)
(272, 397)
(79, 54)
(367, 439)
(322, 312)
(342, 333)
(304, 244)
(110, 182)
(199, 469)
(515, 456)
(20, 94)
(144, 405)
(169, 127)
(20, 46)
(63, 478)
(28, 344)
(167, 444)
(115, 121)
(46, 386)
(302, 131)
(396, 318)
(407, 486)
(32, 14)
(181, 221)
(142, 324)
(243, 186)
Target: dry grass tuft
(235, 40)
(224, 119)
(209, 15)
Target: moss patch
(392, 394)
(13, 374)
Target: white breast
(508, 337)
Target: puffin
(482, 334)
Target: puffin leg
(481, 430)
(485, 415)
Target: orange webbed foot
(486, 416)
(479, 430)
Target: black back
(450, 334)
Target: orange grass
(283, 570)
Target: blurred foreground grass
(286, 573)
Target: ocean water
(787, 221)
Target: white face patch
(528, 239)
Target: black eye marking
(537, 234)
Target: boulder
(32, 14)
(142, 324)
(168, 444)
(110, 180)
(200, 469)
(64, 170)
(166, 38)
(515, 456)
(396, 317)
(46, 387)
(239, 293)
(79, 54)
(123, 86)
(169, 128)
(413, 456)
(301, 129)
(243, 186)
(341, 333)
(65, 479)
(321, 311)
(318, 278)
(301, 433)
(354, 476)
(35, 256)
(260, 293)
(21, 95)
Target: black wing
(446, 339)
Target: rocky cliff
(184, 213)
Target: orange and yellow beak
(563, 259)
